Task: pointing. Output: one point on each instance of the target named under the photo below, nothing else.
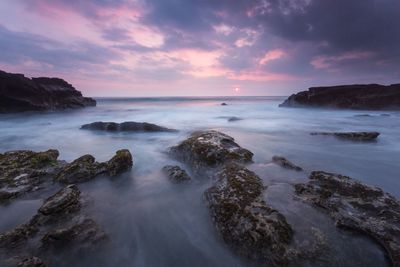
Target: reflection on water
(152, 222)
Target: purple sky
(202, 47)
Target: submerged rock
(283, 162)
(176, 174)
(369, 96)
(130, 126)
(356, 206)
(17, 236)
(244, 220)
(58, 224)
(121, 162)
(19, 93)
(86, 234)
(210, 148)
(231, 118)
(31, 262)
(352, 136)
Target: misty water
(153, 222)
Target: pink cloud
(272, 55)
(326, 62)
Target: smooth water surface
(152, 222)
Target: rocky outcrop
(18, 93)
(352, 136)
(31, 262)
(129, 126)
(86, 234)
(82, 169)
(25, 171)
(121, 162)
(64, 201)
(176, 174)
(87, 168)
(356, 206)
(58, 224)
(285, 163)
(370, 96)
(210, 148)
(244, 220)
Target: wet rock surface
(86, 168)
(25, 171)
(121, 162)
(58, 224)
(210, 148)
(245, 221)
(176, 174)
(369, 96)
(86, 234)
(352, 136)
(82, 169)
(64, 201)
(356, 206)
(19, 93)
(31, 262)
(285, 163)
(129, 126)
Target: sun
(237, 89)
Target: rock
(283, 162)
(356, 206)
(64, 201)
(234, 119)
(231, 118)
(19, 93)
(23, 171)
(87, 168)
(84, 234)
(224, 104)
(245, 221)
(31, 262)
(370, 96)
(362, 115)
(121, 162)
(210, 148)
(130, 126)
(17, 236)
(58, 224)
(81, 170)
(176, 174)
(352, 136)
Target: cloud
(283, 41)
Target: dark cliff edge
(368, 97)
(19, 93)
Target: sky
(202, 47)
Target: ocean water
(152, 222)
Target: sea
(153, 222)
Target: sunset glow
(155, 47)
